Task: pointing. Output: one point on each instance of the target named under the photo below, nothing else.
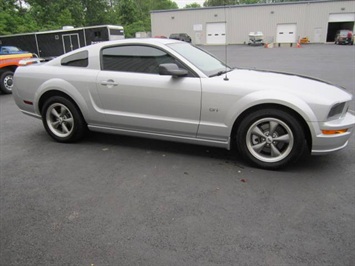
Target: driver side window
(134, 58)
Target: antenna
(225, 43)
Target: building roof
(251, 5)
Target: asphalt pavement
(115, 200)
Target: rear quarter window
(80, 59)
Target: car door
(135, 97)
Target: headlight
(336, 110)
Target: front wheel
(63, 120)
(270, 138)
(6, 80)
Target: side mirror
(172, 70)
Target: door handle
(109, 83)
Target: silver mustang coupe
(170, 90)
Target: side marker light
(334, 132)
(28, 102)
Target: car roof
(153, 41)
(132, 41)
(141, 40)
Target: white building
(280, 22)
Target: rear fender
(64, 87)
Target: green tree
(14, 18)
(131, 17)
(220, 2)
(162, 5)
(127, 12)
(238, 2)
(20, 16)
(95, 12)
(50, 14)
(138, 12)
(193, 5)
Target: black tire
(270, 139)
(63, 120)
(6, 80)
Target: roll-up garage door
(216, 33)
(342, 17)
(286, 33)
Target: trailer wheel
(6, 82)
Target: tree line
(21, 16)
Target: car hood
(307, 88)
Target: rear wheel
(63, 120)
(270, 138)
(6, 80)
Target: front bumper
(324, 144)
(344, 41)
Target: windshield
(345, 33)
(207, 63)
(13, 49)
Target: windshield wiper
(219, 73)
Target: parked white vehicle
(171, 90)
(256, 38)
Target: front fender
(270, 97)
(217, 123)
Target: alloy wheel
(60, 120)
(269, 140)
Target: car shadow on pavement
(159, 145)
(305, 164)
